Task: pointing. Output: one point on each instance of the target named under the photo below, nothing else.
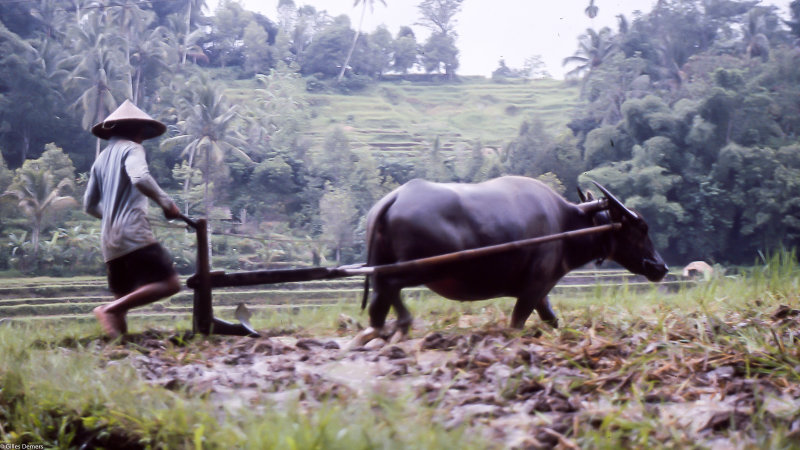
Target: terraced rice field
(74, 299)
(399, 120)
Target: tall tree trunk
(128, 59)
(135, 88)
(353, 45)
(728, 131)
(188, 17)
(188, 31)
(26, 144)
(98, 115)
(35, 232)
(186, 183)
(206, 201)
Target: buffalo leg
(404, 317)
(527, 303)
(379, 305)
(383, 297)
(522, 310)
(546, 313)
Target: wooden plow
(204, 280)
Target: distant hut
(698, 267)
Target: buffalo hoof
(361, 339)
(398, 336)
(391, 332)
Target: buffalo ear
(580, 195)
(589, 196)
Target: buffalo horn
(614, 201)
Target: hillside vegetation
(268, 138)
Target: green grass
(59, 389)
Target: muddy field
(714, 382)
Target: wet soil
(532, 389)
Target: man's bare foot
(113, 325)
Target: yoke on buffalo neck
(593, 206)
(588, 247)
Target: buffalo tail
(366, 293)
(374, 219)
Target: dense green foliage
(689, 113)
(692, 119)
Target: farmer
(139, 270)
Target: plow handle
(203, 320)
(191, 222)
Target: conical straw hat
(129, 113)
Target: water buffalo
(421, 219)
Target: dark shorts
(146, 265)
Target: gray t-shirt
(112, 195)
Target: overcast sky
(492, 29)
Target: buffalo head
(630, 245)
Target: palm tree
(193, 11)
(206, 132)
(98, 72)
(669, 53)
(132, 21)
(358, 32)
(39, 196)
(148, 57)
(128, 16)
(81, 7)
(189, 42)
(282, 112)
(593, 49)
(183, 42)
(26, 91)
(591, 10)
(51, 18)
(338, 212)
(50, 54)
(755, 38)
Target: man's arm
(136, 166)
(91, 199)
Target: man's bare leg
(112, 325)
(112, 315)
